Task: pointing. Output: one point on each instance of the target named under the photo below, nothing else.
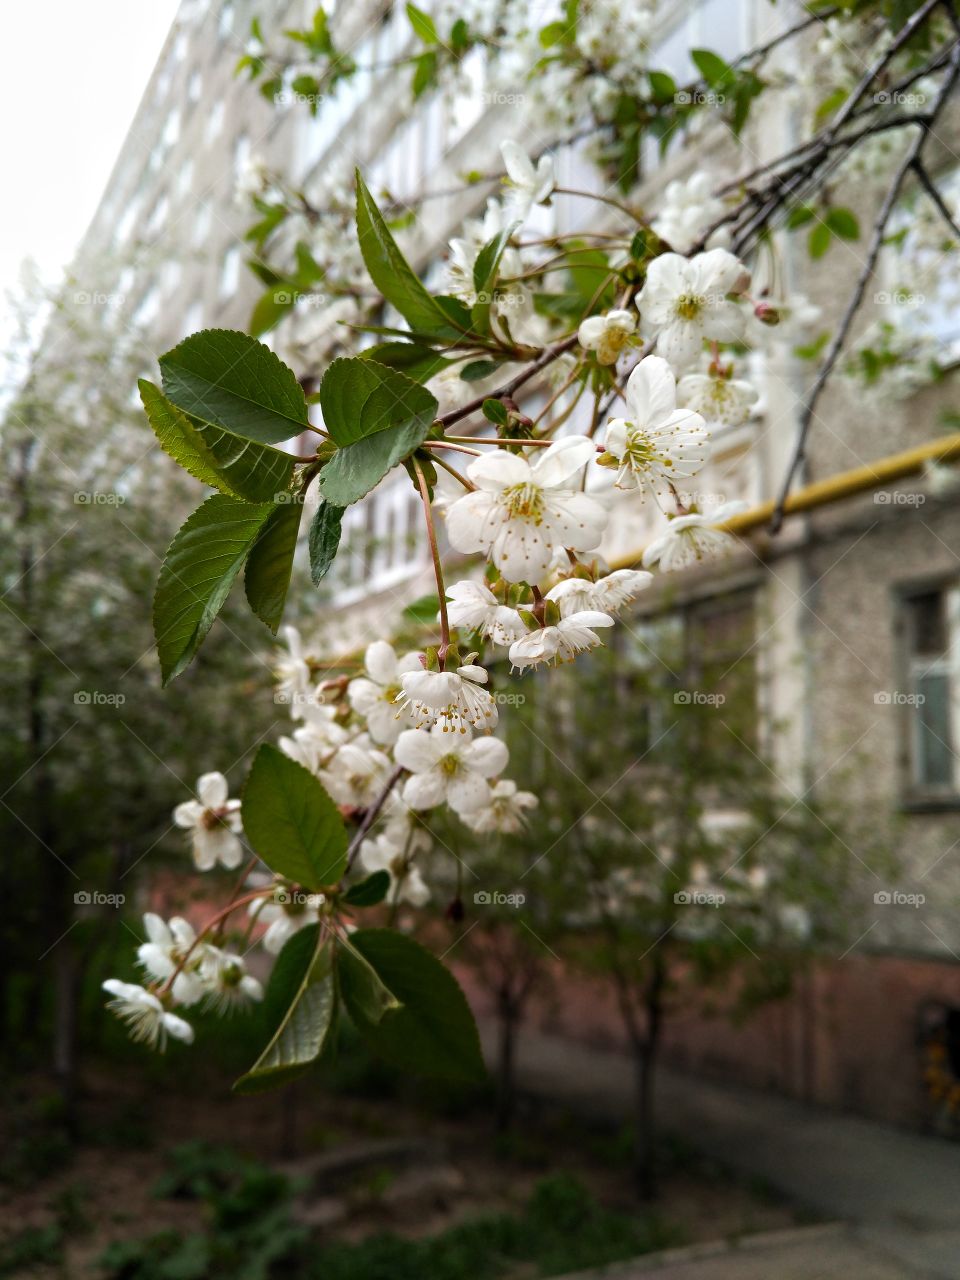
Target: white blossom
(657, 442)
(168, 946)
(406, 883)
(473, 605)
(561, 643)
(284, 915)
(691, 538)
(689, 208)
(143, 1013)
(292, 673)
(215, 823)
(522, 512)
(726, 401)
(607, 595)
(451, 770)
(529, 185)
(374, 696)
(455, 699)
(607, 334)
(504, 809)
(313, 745)
(356, 774)
(228, 985)
(684, 301)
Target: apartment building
(851, 613)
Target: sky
(67, 96)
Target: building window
(930, 702)
(194, 85)
(215, 120)
(226, 19)
(230, 272)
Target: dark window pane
(934, 747)
(928, 627)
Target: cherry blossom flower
(167, 946)
(529, 185)
(727, 401)
(560, 643)
(607, 595)
(215, 823)
(356, 773)
(292, 673)
(691, 538)
(313, 745)
(689, 209)
(374, 696)
(406, 883)
(504, 809)
(473, 605)
(445, 769)
(522, 512)
(658, 442)
(228, 985)
(684, 301)
(285, 914)
(146, 1017)
(607, 335)
(455, 699)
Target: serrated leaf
(416, 361)
(324, 540)
(198, 571)
(390, 271)
(237, 467)
(300, 1002)
(229, 379)
(360, 398)
(433, 1031)
(291, 822)
(270, 564)
(367, 893)
(495, 411)
(355, 470)
(477, 370)
(366, 996)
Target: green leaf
(365, 995)
(843, 223)
(424, 73)
(488, 259)
(300, 1002)
(271, 307)
(818, 241)
(231, 380)
(495, 411)
(433, 1032)
(477, 370)
(390, 271)
(663, 87)
(553, 33)
(200, 566)
(324, 540)
(799, 216)
(367, 893)
(712, 67)
(360, 398)
(270, 565)
(422, 24)
(360, 467)
(424, 609)
(291, 822)
(415, 360)
(237, 467)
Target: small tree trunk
(66, 998)
(644, 1140)
(506, 1060)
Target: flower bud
(766, 314)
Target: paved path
(899, 1191)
